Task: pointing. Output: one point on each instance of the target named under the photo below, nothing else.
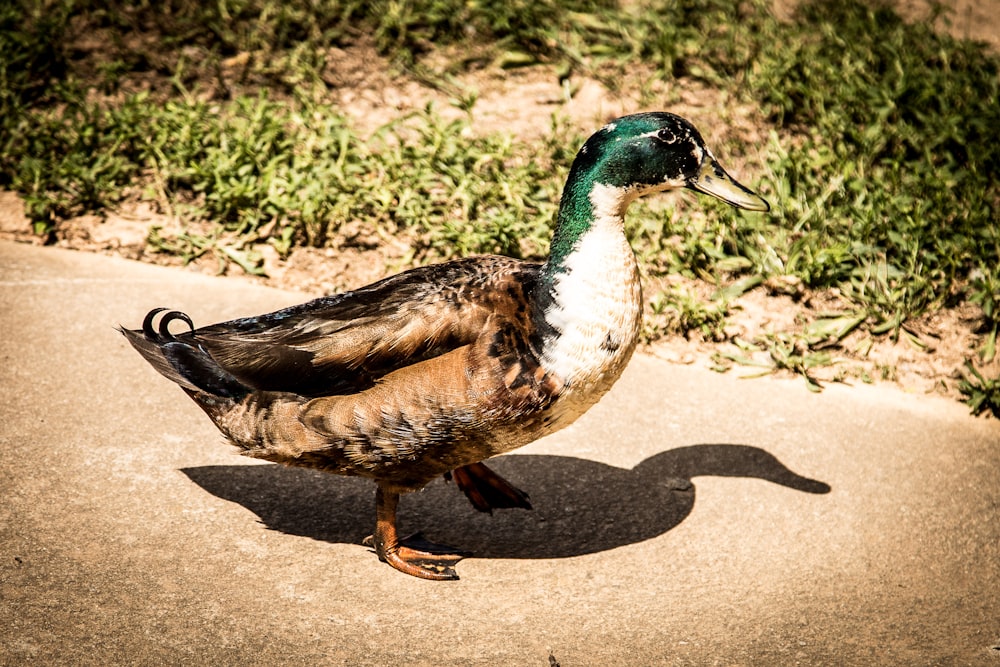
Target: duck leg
(487, 490)
(414, 556)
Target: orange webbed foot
(413, 555)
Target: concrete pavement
(690, 518)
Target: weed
(31, 61)
(981, 394)
(677, 310)
(69, 161)
(985, 291)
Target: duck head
(638, 155)
(651, 152)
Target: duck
(439, 368)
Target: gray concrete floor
(690, 518)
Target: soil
(927, 357)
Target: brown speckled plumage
(439, 372)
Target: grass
(981, 393)
(263, 170)
(882, 160)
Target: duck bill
(713, 180)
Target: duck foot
(413, 555)
(487, 490)
(419, 557)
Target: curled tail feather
(182, 359)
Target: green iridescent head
(637, 155)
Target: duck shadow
(581, 506)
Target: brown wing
(343, 343)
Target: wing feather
(345, 342)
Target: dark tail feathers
(182, 359)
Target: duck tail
(183, 359)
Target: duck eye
(666, 135)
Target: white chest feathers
(596, 311)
